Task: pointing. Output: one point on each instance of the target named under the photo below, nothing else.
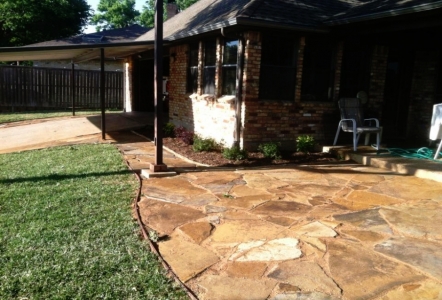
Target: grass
(31, 115)
(67, 231)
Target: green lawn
(67, 230)
(30, 115)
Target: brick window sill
(212, 98)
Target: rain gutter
(385, 14)
(246, 22)
(73, 47)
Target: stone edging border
(173, 152)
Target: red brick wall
(180, 110)
(284, 121)
(423, 90)
(377, 79)
(206, 115)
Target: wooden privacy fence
(42, 88)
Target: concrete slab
(421, 168)
(51, 132)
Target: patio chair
(352, 120)
(436, 127)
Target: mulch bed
(215, 158)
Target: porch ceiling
(76, 53)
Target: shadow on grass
(59, 177)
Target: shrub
(184, 135)
(235, 153)
(169, 130)
(305, 143)
(270, 150)
(201, 144)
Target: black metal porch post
(158, 72)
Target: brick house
(252, 71)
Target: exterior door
(143, 86)
(397, 92)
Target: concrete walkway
(37, 134)
(334, 231)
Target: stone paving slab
(228, 288)
(421, 254)
(186, 259)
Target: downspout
(239, 85)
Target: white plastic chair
(352, 120)
(436, 127)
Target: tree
(147, 17)
(115, 14)
(25, 22)
(183, 4)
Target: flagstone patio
(334, 231)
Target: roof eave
(385, 14)
(245, 22)
(76, 53)
(72, 47)
(204, 29)
(282, 26)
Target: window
(192, 73)
(229, 67)
(318, 72)
(438, 94)
(278, 67)
(209, 67)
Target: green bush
(270, 150)
(169, 130)
(235, 153)
(201, 144)
(305, 143)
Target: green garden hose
(424, 153)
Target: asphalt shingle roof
(119, 35)
(384, 8)
(209, 15)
